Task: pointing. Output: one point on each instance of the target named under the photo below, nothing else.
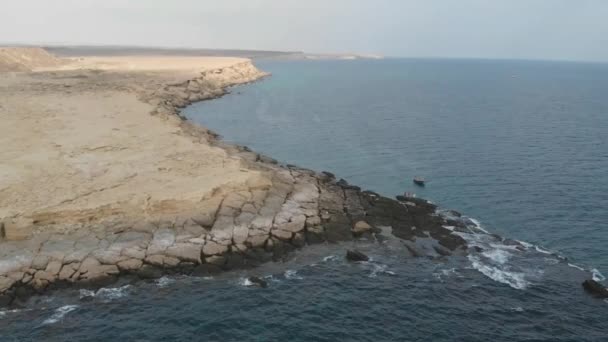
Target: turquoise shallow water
(520, 146)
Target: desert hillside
(26, 59)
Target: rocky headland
(102, 178)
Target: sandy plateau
(101, 177)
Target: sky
(522, 29)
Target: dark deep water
(520, 146)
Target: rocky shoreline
(287, 209)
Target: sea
(519, 147)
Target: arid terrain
(100, 177)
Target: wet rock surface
(354, 255)
(595, 288)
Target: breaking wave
(499, 259)
(59, 314)
(245, 282)
(106, 294)
(597, 276)
(292, 274)
(329, 258)
(502, 275)
(378, 268)
(164, 281)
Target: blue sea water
(520, 146)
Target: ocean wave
(245, 282)
(378, 268)
(597, 275)
(329, 258)
(164, 281)
(497, 255)
(551, 261)
(59, 314)
(292, 274)
(577, 267)
(106, 294)
(444, 273)
(505, 261)
(4, 313)
(477, 224)
(502, 275)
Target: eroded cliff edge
(253, 211)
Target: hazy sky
(547, 29)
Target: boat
(419, 181)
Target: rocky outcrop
(595, 288)
(249, 227)
(257, 281)
(353, 255)
(241, 228)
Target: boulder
(40, 262)
(5, 283)
(595, 288)
(163, 238)
(257, 240)
(149, 272)
(354, 255)
(257, 281)
(53, 267)
(214, 248)
(282, 234)
(186, 252)
(240, 234)
(130, 265)
(361, 227)
(68, 271)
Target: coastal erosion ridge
(113, 182)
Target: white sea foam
(498, 256)
(444, 273)
(597, 276)
(84, 293)
(3, 313)
(576, 266)
(59, 314)
(329, 258)
(292, 274)
(542, 250)
(245, 282)
(107, 294)
(514, 279)
(526, 244)
(164, 281)
(379, 269)
(478, 225)
(518, 309)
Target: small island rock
(595, 288)
(354, 255)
